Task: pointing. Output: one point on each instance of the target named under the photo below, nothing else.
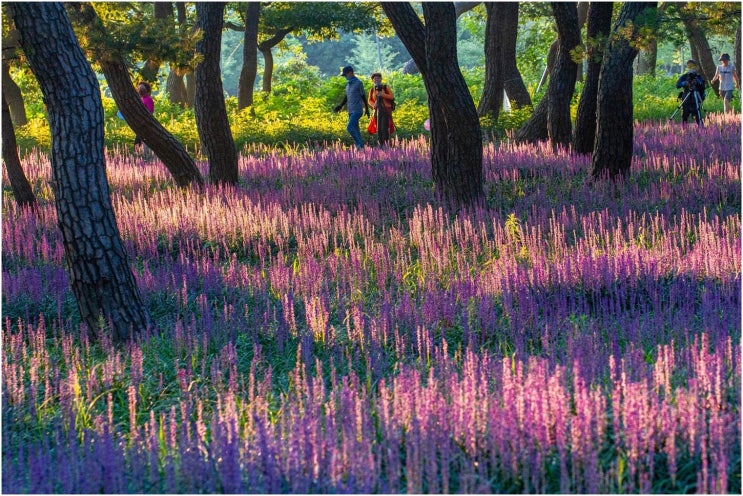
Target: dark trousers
(383, 125)
(690, 109)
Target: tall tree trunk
(265, 48)
(100, 275)
(647, 58)
(22, 191)
(163, 144)
(599, 26)
(163, 11)
(491, 100)
(736, 49)
(14, 97)
(500, 60)
(582, 17)
(700, 50)
(562, 83)
(456, 137)
(507, 17)
(211, 114)
(612, 152)
(178, 89)
(250, 56)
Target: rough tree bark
(155, 136)
(249, 68)
(562, 82)
(100, 275)
(612, 152)
(211, 114)
(599, 27)
(22, 191)
(456, 137)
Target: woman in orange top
(383, 112)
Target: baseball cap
(691, 63)
(724, 56)
(346, 70)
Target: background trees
(99, 271)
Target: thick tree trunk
(101, 278)
(211, 114)
(22, 191)
(14, 97)
(456, 137)
(250, 56)
(612, 153)
(534, 129)
(562, 82)
(599, 26)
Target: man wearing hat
(693, 85)
(356, 104)
(728, 80)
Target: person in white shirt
(728, 81)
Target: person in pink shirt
(145, 93)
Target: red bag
(372, 127)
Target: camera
(378, 87)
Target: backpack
(392, 103)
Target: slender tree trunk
(599, 26)
(163, 11)
(265, 48)
(491, 100)
(178, 90)
(647, 59)
(456, 137)
(250, 56)
(211, 114)
(501, 72)
(155, 136)
(701, 51)
(562, 83)
(14, 97)
(612, 153)
(100, 275)
(736, 48)
(582, 18)
(507, 16)
(22, 191)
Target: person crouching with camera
(692, 96)
(380, 98)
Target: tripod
(697, 105)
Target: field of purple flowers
(328, 327)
